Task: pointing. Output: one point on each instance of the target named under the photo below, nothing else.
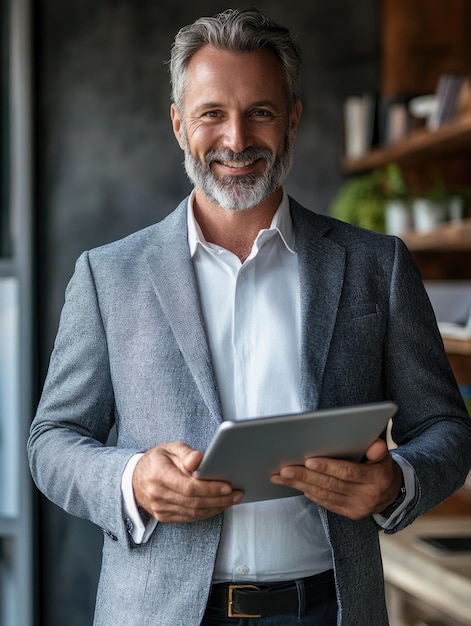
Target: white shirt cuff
(139, 531)
(408, 472)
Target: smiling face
(235, 128)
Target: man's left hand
(354, 490)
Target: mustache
(248, 154)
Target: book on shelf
(450, 94)
(374, 120)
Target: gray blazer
(132, 351)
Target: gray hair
(236, 30)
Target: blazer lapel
(174, 281)
(321, 269)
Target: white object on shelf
(423, 107)
(427, 214)
(454, 331)
(358, 120)
(398, 217)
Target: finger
(330, 479)
(183, 491)
(160, 482)
(174, 467)
(333, 500)
(174, 507)
(187, 489)
(192, 461)
(167, 488)
(351, 472)
(181, 455)
(347, 499)
(175, 515)
(334, 474)
(323, 484)
(377, 452)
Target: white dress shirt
(253, 321)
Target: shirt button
(244, 569)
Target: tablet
(246, 453)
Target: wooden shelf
(442, 582)
(457, 346)
(446, 237)
(452, 138)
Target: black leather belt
(260, 599)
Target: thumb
(377, 451)
(192, 460)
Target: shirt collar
(281, 223)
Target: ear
(295, 116)
(176, 124)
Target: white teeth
(237, 164)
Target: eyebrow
(217, 105)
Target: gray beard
(242, 192)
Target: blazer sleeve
(69, 459)
(432, 428)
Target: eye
(261, 113)
(212, 114)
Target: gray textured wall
(108, 164)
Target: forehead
(214, 74)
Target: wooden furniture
(444, 253)
(452, 139)
(421, 40)
(424, 585)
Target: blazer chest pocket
(365, 311)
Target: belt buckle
(230, 610)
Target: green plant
(438, 193)
(361, 200)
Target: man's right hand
(165, 487)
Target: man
(241, 303)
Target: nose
(237, 135)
